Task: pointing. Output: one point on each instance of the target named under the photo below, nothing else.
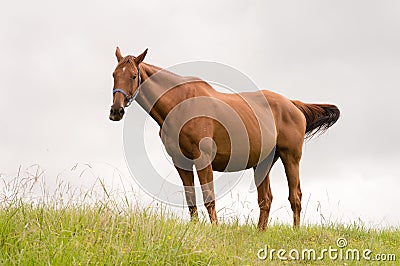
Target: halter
(130, 99)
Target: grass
(38, 235)
(52, 232)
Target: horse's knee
(265, 203)
(208, 193)
(190, 195)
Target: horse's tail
(319, 117)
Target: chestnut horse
(220, 131)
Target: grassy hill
(70, 226)
(100, 235)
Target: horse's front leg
(190, 194)
(207, 187)
(262, 180)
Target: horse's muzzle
(116, 114)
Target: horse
(215, 131)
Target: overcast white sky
(55, 81)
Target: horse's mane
(130, 59)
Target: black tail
(319, 117)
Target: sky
(57, 58)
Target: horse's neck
(155, 83)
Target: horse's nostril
(121, 111)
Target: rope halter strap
(127, 97)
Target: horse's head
(126, 83)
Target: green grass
(98, 235)
(74, 227)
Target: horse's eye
(133, 77)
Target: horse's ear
(118, 54)
(141, 57)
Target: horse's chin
(115, 118)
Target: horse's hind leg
(190, 194)
(291, 161)
(264, 194)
